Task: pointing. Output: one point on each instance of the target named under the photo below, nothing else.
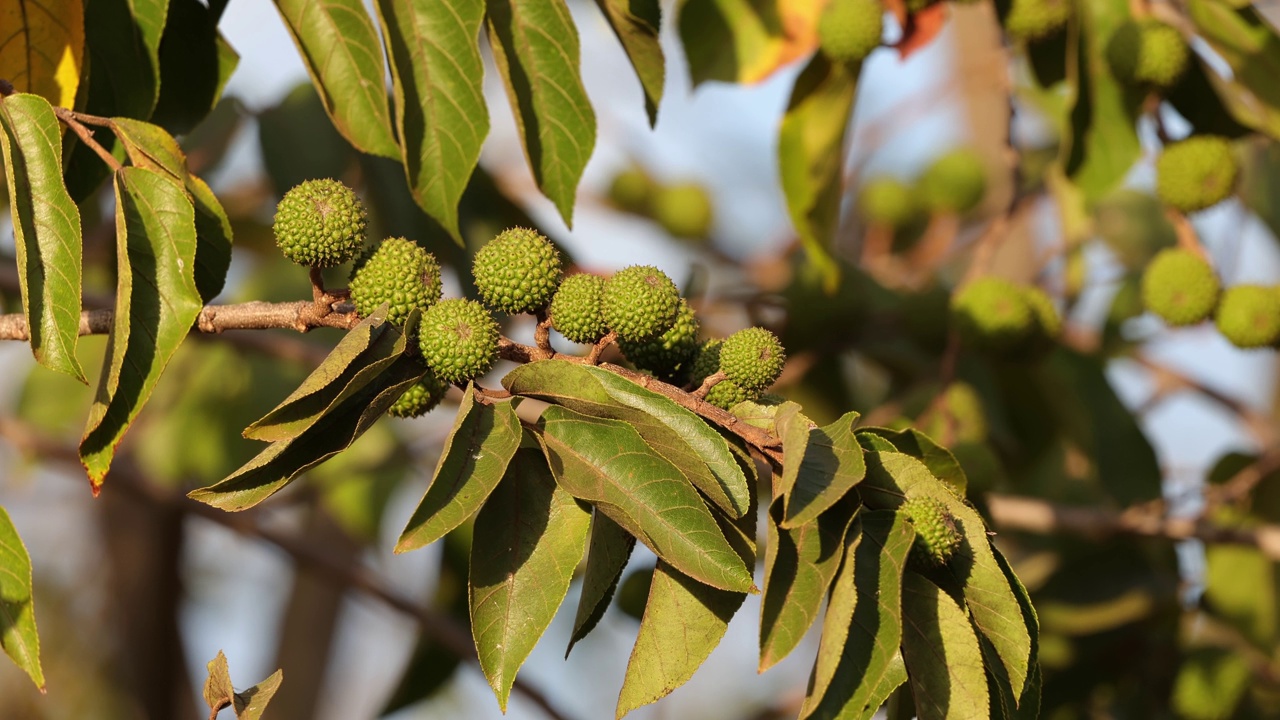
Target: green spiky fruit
(1148, 52)
(705, 361)
(684, 210)
(1196, 173)
(726, 393)
(848, 30)
(1036, 19)
(958, 418)
(640, 302)
(666, 355)
(421, 397)
(459, 340)
(1249, 316)
(888, 202)
(320, 224)
(1180, 287)
(632, 190)
(955, 183)
(752, 358)
(518, 271)
(936, 535)
(993, 314)
(398, 272)
(576, 308)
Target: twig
(709, 382)
(593, 358)
(73, 120)
(301, 315)
(130, 479)
(542, 333)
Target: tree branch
(302, 315)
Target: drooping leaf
(195, 64)
(944, 663)
(438, 78)
(43, 49)
(683, 621)
(745, 41)
(156, 303)
(340, 48)
(529, 537)
(474, 458)
(811, 156)
(46, 229)
(1102, 143)
(831, 465)
(334, 431)
(363, 352)
(247, 704)
(535, 46)
(123, 39)
(1242, 37)
(636, 23)
(679, 435)
(854, 677)
(973, 570)
(18, 634)
(607, 556)
(607, 463)
(800, 563)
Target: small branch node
(593, 358)
(712, 380)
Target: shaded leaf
(857, 671)
(607, 463)
(156, 304)
(607, 556)
(678, 434)
(18, 634)
(438, 78)
(973, 570)
(299, 142)
(195, 64)
(529, 537)
(43, 49)
(636, 23)
(941, 651)
(274, 468)
(799, 565)
(474, 458)
(535, 46)
(46, 228)
(938, 459)
(811, 155)
(1242, 37)
(1217, 106)
(831, 465)
(745, 41)
(340, 48)
(123, 39)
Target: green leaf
(1218, 106)
(831, 465)
(799, 565)
(156, 304)
(1250, 607)
(474, 458)
(363, 352)
(298, 142)
(607, 556)
(438, 78)
(1242, 37)
(248, 704)
(17, 605)
(944, 662)
(733, 40)
(123, 37)
(974, 570)
(535, 46)
(607, 463)
(683, 622)
(251, 702)
(811, 155)
(529, 537)
(340, 48)
(274, 468)
(858, 669)
(938, 459)
(195, 63)
(1102, 143)
(46, 228)
(636, 23)
(1210, 683)
(679, 435)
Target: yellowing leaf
(42, 47)
(746, 40)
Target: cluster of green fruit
(1005, 319)
(955, 183)
(683, 209)
(1181, 287)
(321, 223)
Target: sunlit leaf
(745, 41)
(831, 465)
(46, 229)
(17, 607)
(636, 23)
(944, 662)
(940, 461)
(1210, 683)
(247, 704)
(43, 47)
